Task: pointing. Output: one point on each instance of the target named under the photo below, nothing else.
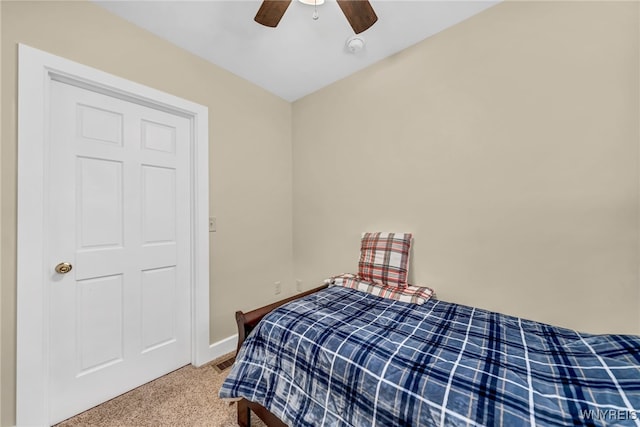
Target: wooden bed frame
(246, 323)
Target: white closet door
(119, 202)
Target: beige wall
(507, 144)
(250, 155)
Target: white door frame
(37, 69)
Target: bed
(337, 356)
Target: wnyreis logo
(609, 414)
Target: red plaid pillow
(384, 258)
(411, 294)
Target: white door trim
(36, 71)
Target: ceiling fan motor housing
(359, 13)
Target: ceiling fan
(359, 13)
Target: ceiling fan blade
(359, 13)
(271, 11)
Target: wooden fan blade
(271, 11)
(359, 13)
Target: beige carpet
(186, 397)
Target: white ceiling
(301, 55)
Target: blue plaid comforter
(341, 357)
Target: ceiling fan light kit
(312, 2)
(359, 13)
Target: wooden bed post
(244, 415)
(242, 331)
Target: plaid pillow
(384, 258)
(411, 294)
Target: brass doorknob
(63, 268)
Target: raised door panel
(158, 136)
(158, 307)
(158, 204)
(98, 124)
(100, 339)
(99, 203)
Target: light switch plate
(212, 223)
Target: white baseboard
(222, 347)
